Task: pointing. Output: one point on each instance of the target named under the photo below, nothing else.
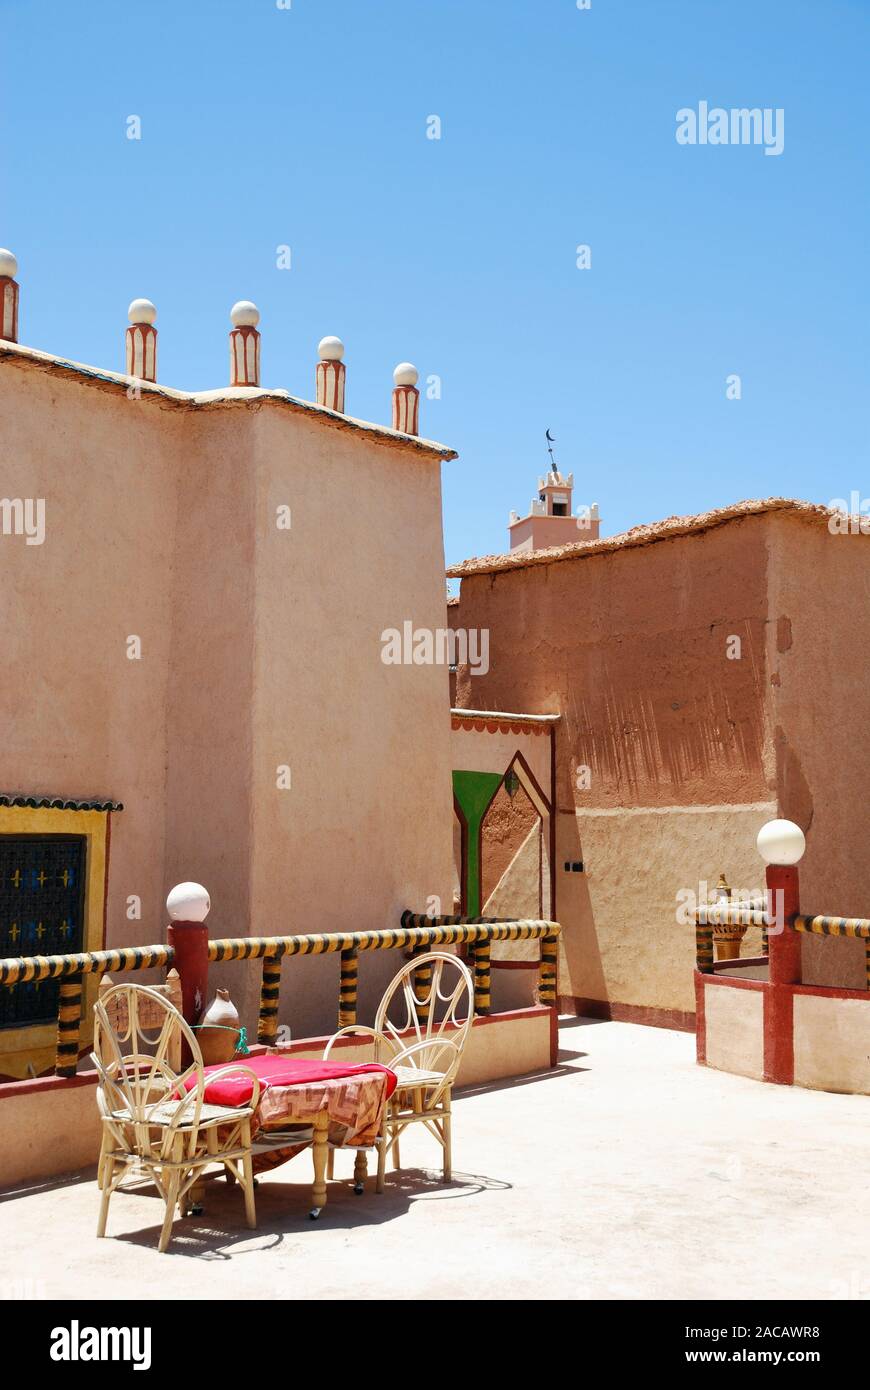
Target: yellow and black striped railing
(735, 915)
(69, 970)
(416, 933)
(839, 926)
(710, 916)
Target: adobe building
(702, 676)
(195, 586)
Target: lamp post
(781, 845)
(188, 906)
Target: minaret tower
(551, 519)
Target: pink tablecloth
(295, 1090)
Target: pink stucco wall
(260, 647)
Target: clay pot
(218, 1031)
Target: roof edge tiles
(60, 803)
(499, 722)
(668, 529)
(226, 397)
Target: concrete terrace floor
(626, 1173)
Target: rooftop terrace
(627, 1172)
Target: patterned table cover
(354, 1104)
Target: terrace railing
(736, 915)
(838, 926)
(418, 934)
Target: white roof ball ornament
(781, 842)
(406, 374)
(244, 314)
(8, 263)
(188, 902)
(142, 311)
(330, 349)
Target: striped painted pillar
(482, 983)
(8, 297)
(406, 399)
(267, 1028)
(331, 374)
(703, 944)
(69, 1020)
(547, 977)
(244, 344)
(867, 959)
(348, 987)
(142, 341)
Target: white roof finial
(406, 374)
(330, 349)
(142, 311)
(8, 297)
(244, 314)
(406, 399)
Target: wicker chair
(423, 1045)
(152, 1124)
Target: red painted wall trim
(732, 980)
(11, 1090)
(722, 965)
(679, 1019)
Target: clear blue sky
(307, 127)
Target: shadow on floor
(33, 1188)
(219, 1233)
(510, 1083)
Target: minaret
(551, 519)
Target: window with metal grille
(42, 894)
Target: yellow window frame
(30, 1051)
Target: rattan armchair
(420, 1032)
(154, 1116)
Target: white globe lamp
(188, 902)
(781, 842)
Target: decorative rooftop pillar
(331, 372)
(8, 297)
(406, 399)
(244, 344)
(142, 341)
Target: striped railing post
(69, 1022)
(422, 982)
(704, 944)
(267, 1028)
(348, 987)
(482, 979)
(547, 972)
